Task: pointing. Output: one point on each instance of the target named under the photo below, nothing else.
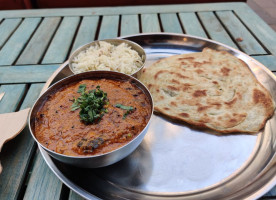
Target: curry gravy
(60, 129)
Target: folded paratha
(210, 89)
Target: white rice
(106, 56)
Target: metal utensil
(11, 124)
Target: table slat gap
(239, 33)
(58, 49)
(109, 27)
(27, 41)
(86, 32)
(16, 43)
(119, 26)
(202, 25)
(215, 29)
(169, 22)
(16, 154)
(98, 27)
(252, 33)
(150, 23)
(11, 27)
(39, 42)
(47, 187)
(259, 27)
(74, 38)
(50, 41)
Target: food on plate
(92, 117)
(106, 56)
(210, 89)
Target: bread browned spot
(199, 93)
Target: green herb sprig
(91, 104)
(128, 109)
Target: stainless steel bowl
(115, 42)
(97, 160)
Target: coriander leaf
(124, 107)
(128, 109)
(92, 104)
(82, 88)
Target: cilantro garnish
(91, 104)
(128, 109)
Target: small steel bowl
(134, 46)
(96, 160)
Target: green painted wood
(269, 61)
(7, 27)
(109, 27)
(16, 154)
(39, 42)
(116, 10)
(86, 31)
(150, 23)
(18, 40)
(248, 44)
(74, 196)
(170, 23)
(215, 29)
(260, 29)
(26, 74)
(191, 24)
(13, 95)
(129, 25)
(60, 45)
(43, 184)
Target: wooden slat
(109, 27)
(191, 24)
(43, 187)
(26, 74)
(238, 31)
(74, 196)
(86, 31)
(129, 25)
(38, 44)
(13, 95)
(215, 29)
(150, 23)
(16, 154)
(171, 23)
(18, 40)
(260, 29)
(269, 61)
(59, 47)
(7, 27)
(116, 10)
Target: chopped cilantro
(91, 104)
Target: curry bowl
(59, 122)
(110, 54)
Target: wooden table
(33, 43)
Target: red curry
(60, 129)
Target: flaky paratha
(212, 89)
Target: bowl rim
(128, 42)
(83, 76)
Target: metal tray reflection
(174, 160)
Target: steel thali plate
(175, 161)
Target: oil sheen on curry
(92, 117)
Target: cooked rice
(106, 56)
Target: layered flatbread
(210, 89)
